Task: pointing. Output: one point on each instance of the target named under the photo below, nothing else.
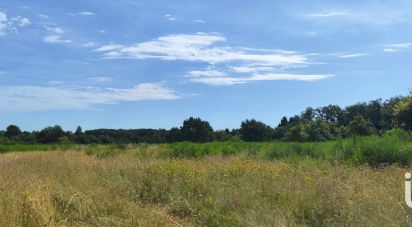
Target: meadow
(352, 182)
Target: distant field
(215, 184)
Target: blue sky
(151, 64)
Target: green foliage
(13, 131)
(196, 130)
(312, 125)
(50, 134)
(403, 113)
(360, 126)
(394, 147)
(252, 130)
(296, 133)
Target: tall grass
(75, 189)
(393, 147)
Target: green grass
(393, 147)
(37, 147)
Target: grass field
(215, 184)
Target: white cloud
(352, 55)
(3, 23)
(56, 30)
(86, 13)
(12, 24)
(24, 22)
(44, 16)
(216, 78)
(170, 17)
(259, 64)
(397, 47)
(109, 47)
(251, 69)
(200, 47)
(327, 14)
(100, 79)
(200, 21)
(40, 98)
(89, 44)
(207, 73)
(56, 39)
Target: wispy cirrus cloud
(56, 39)
(397, 47)
(199, 47)
(40, 98)
(170, 17)
(3, 23)
(85, 13)
(327, 14)
(259, 64)
(100, 79)
(110, 47)
(216, 78)
(349, 55)
(199, 21)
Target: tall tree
(252, 130)
(360, 126)
(403, 113)
(196, 130)
(13, 131)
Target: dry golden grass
(74, 189)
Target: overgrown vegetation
(133, 187)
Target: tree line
(313, 124)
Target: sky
(152, 64)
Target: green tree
(296, 133)
(79, 131)
(360, 126)
(252, 130)
(173, 135)
(403, 113)
(50, 134)
(13, 131)
(320, 130)
(196, 130)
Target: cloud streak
(199, 47)
(258, 64)
(397, 47)
(41, 98)
(215, 78)
(3, 23)
(327, 14)
(56, 39)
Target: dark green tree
(297, 133)
(360, 126)
(79, 131)
(196, 130)
(50, 134)
(320, 131)
(173, 135)
(13, 131)
(252, 130)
